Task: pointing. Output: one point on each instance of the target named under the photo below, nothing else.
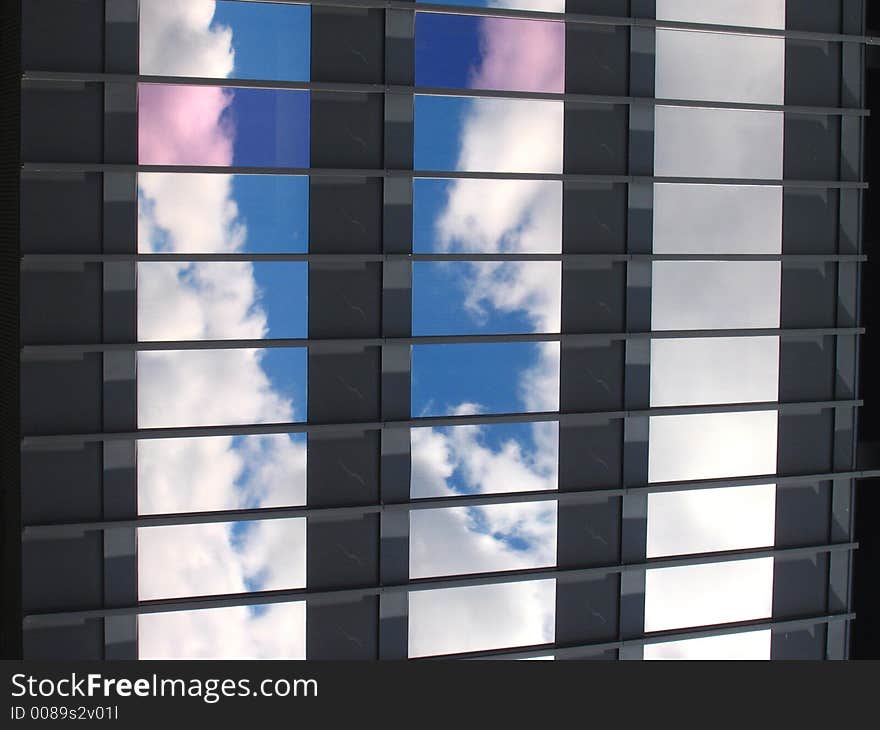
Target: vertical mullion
(395, 463)
(119, 305)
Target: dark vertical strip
(10, 250)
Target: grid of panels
(362, 552)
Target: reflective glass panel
(274, 631)
(466, 51)
(452, 620)
(458, 540)
(755, 13)
(751, 645)
(222, 557)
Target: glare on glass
(714, 593)
(715, 219)
(455, 620)
(715, 294)
(754, 13)
(721, 143)
(708, 520)
(273, 631)
(750, 645)
(719, 67)
(218, 558)
(710, 445)
(459, 540)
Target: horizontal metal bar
(35, 351)
(580, 417)
(326, 172)
(364, 88)
(654, 637)
(62, 529)
(36, 259)
(584, 19)
(426, 584)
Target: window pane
(229, 300)
(510, 457)
(225, 557)
(714, 370)
(221, 126)
(454, 620)
(717, 219)
(488, 135)
(487, 216)
(707, 520)
(220, 473)
(727, 143)
(459, 540)
(461, 51)
(495, 298)
(715, 294)
(754, 645)
(216, 387)
(246, 40)
(210, 213)
(545, 6)
(700, 595)
(719, 66)
(275, 631)
(485, 378)
(755, 13)
(705, 446)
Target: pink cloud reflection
(521, 55)
(181, 125)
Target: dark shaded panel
(812, 73)
(591, 377)
(53, 643)
(61, 306)
(345, 299)
(345, 215)
(75, 222)
(806, 369)
(809, 295)
(61, 485)
(804, 442)
(593, 218)
(62, 574)
(599, 7)
(603, 148)
(346, 130)
(343, 631)
(803, 514)
(596, 58)
(599, 450)
(587, 610)
(62, 122)
(800, 586)
(61, 396)
(810, 15)
(343, 553)
(344, 386)
(593, 297)
(810, 221)
(802, 644)
(343, 470)
(812, 147)
(348, 45)
(589, 533)
(60, 34)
